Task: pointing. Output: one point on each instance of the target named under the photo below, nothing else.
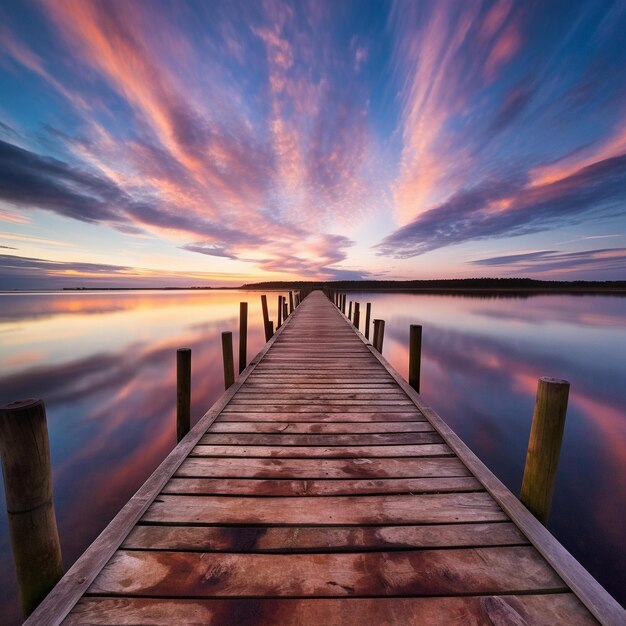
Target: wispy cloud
(592, 263)
(492, 141)
(501, 207)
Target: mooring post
(183, 392)
(379, 334)
(544, 446)
(227, 356)
(368, 314)
(285, 309)
(279, 320)
(266, 317)
(343, 304)
(415, 355)
(290, 302)
(350, 311)
(243, 335)
(25, 453)
(357, 315)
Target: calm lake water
(104, 363)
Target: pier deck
(321, 490)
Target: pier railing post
(266, 318)
(279, 320)
(415, 356)
(379, 334)
(227, 355)
(544, 446)
(368, 315)
(357, 315)
(243, 335)
(183, 392)
(25, 453)
(290, 302)
(343, 304)
(350, 311)
(285, 309)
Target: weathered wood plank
(331, 487)
(363, 409)
(357, 510)
(408, 573)
(321, 539)
(320, 416)
(319, 452)
(276, 426)
(318, 399)
(321, 468)
(278, 439)
(541, 610)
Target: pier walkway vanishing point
(320, 489)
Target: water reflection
(480, 366)
(105, 364)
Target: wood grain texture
(321, 539)
(327, 439)
(319, 452)
(278, 426)
(538, 610)
(321, 468)
(358, 510)
(407, 573)
(332, 487)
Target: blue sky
(216, 143)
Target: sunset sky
(221, 142)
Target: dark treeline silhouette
(454, 285)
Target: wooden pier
(321, 490)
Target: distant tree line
(455, 284)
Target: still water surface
(104, 363)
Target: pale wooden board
(322, 412)
(536, 610)
(328, 439)
(326, 407)
(408, 573)
(276, 426)
(319, 452)
(321, 468)
(330, 487)
(358, 510)
(321, 538)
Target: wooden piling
(357, 315)
(350, 311)
(227, 356)
(25, 453)
(183, 392)
(379, 334)
(415, 355)
(285, 309)
(343, 304)
(279, 319)
(266, 318)
(290, 302)
(544, 446)
(368, 314)
(243, 335)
